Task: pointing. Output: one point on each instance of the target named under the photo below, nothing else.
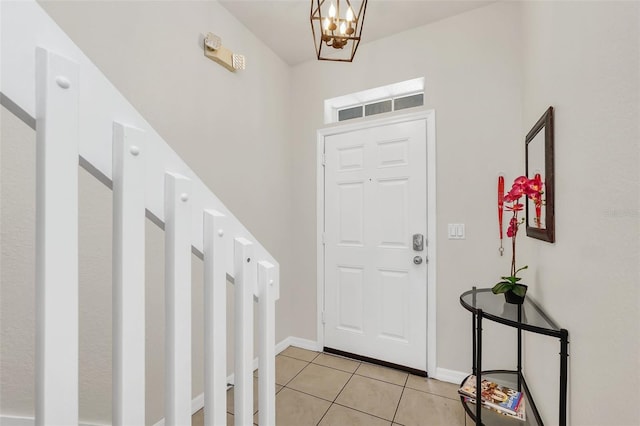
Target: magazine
(501, 398)
(520, 415)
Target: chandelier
(337, 26)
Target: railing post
(177, 300)
(215, 320)
(245, 282)
(267, 287)
(57, 88)
(128, 276)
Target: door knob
(417, 260)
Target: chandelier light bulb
(343, 28)
(350, 14)
(332, 11)
(326, 24)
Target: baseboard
(451, 376)
(28, 421)
(298, 342)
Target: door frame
(430, 117)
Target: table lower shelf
(491, 418)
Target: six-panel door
(375, 201)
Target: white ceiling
(284, 24)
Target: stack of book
(500, 399)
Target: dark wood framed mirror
(540, 217)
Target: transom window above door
(393, 97)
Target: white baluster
(177, 300)
(215, 320)
(267, 286)
(128, 276)
(245, 283)
(56, 240)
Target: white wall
(231, 129)
(583, 58)
(472, 69)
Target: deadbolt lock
(418, 242)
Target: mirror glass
(536, 218)
(539, 165)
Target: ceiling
(284, 24)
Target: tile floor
(314, 388)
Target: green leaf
(519, 290)
(501, 287)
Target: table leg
(564, 355)
(519, 349)
(478, 368)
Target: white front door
(375, 201)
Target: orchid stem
(513, 246)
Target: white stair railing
(147, 177)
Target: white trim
(430, 117)
(450, 376)
(320, 237)
(431, 242)
(298, 342)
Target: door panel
(393, 200)
(350, 289)
(351, 210)
(375, 200)
(394, 318)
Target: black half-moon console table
(484, 305)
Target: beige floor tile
(371, 396)
(299, 353)
(437, 387)
(343, 416)
(198, 419)
(287, 368)
(295, 408)
(320, 381)
(337, 362)
(385, 374)
(419, 408)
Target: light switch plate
(456, 231)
